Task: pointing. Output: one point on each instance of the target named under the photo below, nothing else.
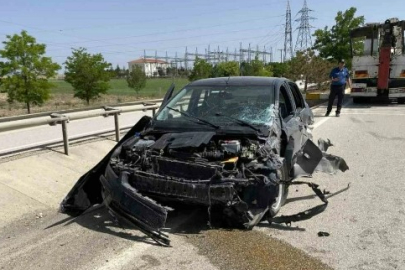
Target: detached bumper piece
(127, 205)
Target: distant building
(150, 66)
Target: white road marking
(366, 113)
(322, 121)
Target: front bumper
(362, 90)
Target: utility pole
(304, 30)
(281, 55)
(185, 59)
(288, 51)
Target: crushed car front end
(231, 162)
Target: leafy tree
(170, 71)
(117, 72)
(183, 73)
(335, 42)
(201, 70)
(310, 68)
(26, 70)
(280, 69)
(225, 69)
(112, 72)
(246, 69)
(88, 74)
(256, 68)
(136, 79)
(161, 72)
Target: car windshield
(221, 105)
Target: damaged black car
(232, 144)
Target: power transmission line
(173, 47)
(174, 31)
(304, 34)
(169, 39)
(288, 51)
(159, 19)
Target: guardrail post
(62, 119)
(115, 112)
(65, 137)
(117, 127)
(150, 104)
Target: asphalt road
(365, 221)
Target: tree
(117, 72)
(161, 72)
(334, 43)
(26, 70)
(201, 70)
(280, 69)
(112, 72)
(88, 74)
(136, 79)
(310, 68)
(225, 69)
(256, 68)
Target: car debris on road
(234, 145)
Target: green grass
(154, 87)
(62, 96)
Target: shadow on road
(98, 219)
(183, 220)
(348, 104)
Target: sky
(123, 30)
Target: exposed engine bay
(240, 176)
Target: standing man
(339, 75)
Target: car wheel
(282, 193)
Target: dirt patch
(244, 249)
(237, 249)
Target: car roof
(239, 80)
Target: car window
(297, 96)
(284, 103)
(251, 103)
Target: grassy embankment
(62, 96)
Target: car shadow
(308, 197)
(348, 102)
(98, 219)
(183, 220)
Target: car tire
(282, 192)
(401, 101)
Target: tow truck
(378, 61)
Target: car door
(302, 112)
(302, 108)
(306, 154)
(291, 123)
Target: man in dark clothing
(339, 75)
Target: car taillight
(402, 74)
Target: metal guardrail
(44, 114)
(64, 117)
(53, 119)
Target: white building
(150, 66)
